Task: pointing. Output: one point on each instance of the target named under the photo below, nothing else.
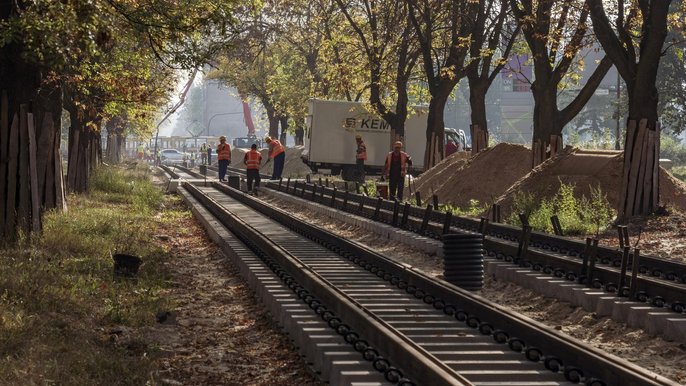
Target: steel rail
(497, 244)
(409, 355)
(655, 266)
(505, 327)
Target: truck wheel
(350, 173)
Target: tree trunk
(84, 151)
(479, 126)
(435, 129)
(21, 180)
(284, 129)
(300, 133)
(640, 180)
(113, 150)
(546, 123)
(272, 117)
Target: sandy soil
(663, 236)
(665, 358)
(586, 169)
(483, 177)
(293, 166)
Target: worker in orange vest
(252, 161)
(360, 157)
(278, 154)
(223, 157)
(395, 170)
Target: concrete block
(637, 315)
(606, 305)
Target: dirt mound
(293, 167)
(483, 177)
(586, 169)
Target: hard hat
(222, 137)
(267, 139)
(358, 136)
(397, 144)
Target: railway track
(659, 282)
(411, 328)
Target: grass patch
(679, 172)
(578, 216)
(58, 296)
(474, 209)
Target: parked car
(173, 156)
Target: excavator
(251, 138)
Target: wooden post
(642, 165)
(73, 160)
(35, 203)
(12, 161)
(43, 154)
(4, 137)
(656, 169)
(24, 208)
(61, 199)
(630, 133)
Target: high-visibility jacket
(404, 157)
(361, 151)
(275, 148)
(223, 151)
(252, 159)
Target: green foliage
(578, 216)
(679, 172)
(673, 149)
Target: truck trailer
(330, 131)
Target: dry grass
(61, 309)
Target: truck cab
(455, 141)
(246, 142)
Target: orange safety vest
(275, 148)
(403, 163)
(252, 159)
(224, 152)
(361, 151)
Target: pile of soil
(293, 167)
(483, 177)
(585, 169)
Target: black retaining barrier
(464, 260)
(235, 182)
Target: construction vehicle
(251, 138)
(330, 138)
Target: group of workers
(395, 167)
(252, 161)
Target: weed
(578, 216)
(474, 209)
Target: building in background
(211, 110)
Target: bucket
(126, 265)
(382, 190)
(203, 170)
(235, 182)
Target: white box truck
(330, 131)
